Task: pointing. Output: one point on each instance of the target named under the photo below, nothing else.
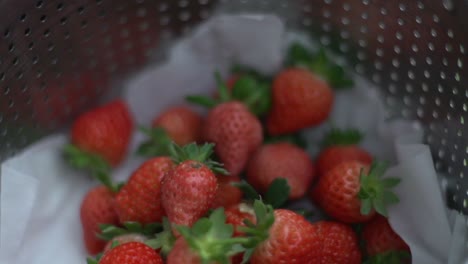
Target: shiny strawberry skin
(332, 156)
(97, 207)
(182, 124)
(181, 253)
(236, 132)
(337, 193)
(126, 238)
(381, 238)
(188, 192)
(131, 253)
(292, 239)
(139, 200)
(105, 130)
(338, 244)
(300, 100)
(281, 160)
(227, 194)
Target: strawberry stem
(198, 153)
(95, 164)
(158, 143)
(375, 192)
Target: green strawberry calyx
(375, 191)
(93, 163)
(342, 137)
(158, 143)
(390, 257)
(109, 232)
(249, 89)
(194, 152)
(163, 240)
(276, 195)
(211, 238)
(319, 63)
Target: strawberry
(208, 241)
(97, 208)
(380, 239)
(227, 194)
(232, 125)
(284, 236)
(105, 131)
(122, 239)
(179, 124)
(341, 146)
(300, 100)
(283, 160)
(131, 253)
(189, 190)
(352, 192)
(139, 200)
(236, 215)
(338, 244)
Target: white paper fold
(40, 195)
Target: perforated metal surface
(58, 58)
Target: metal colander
(58, 58)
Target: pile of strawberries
(216, 188)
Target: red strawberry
(380, 237)
(104, 131)
(351, 192)
(139, 200)
(189, 190)
(236, 132)
(131, 253)
(341, 146)
(291, 239)
(338, 244)
(236, 214)
(281, 160)
(126, 238)
(97, 208)
(182, 124)
(182, 253)
(300, 100)
(227, 194)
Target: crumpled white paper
(40, 195)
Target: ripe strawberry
(300, 100)
(182, 253)
(189, 190)
(182, 124)
(97, 208)
(131, 253)
(338, 244)
(227, 194)
(236, 132)
(281, 160)
(126, 238)
(139, 200)
(352, 192)
(231, 123)
(381, 239)
(341, 146)
(104, 131)
(290, 238)
(236, 214)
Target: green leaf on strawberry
(93, 163)
(375, 192)
(248, 190)
(320, 64)
(108, 232)
(211, 238)
(296, 139)
(164, 240)
(198, 153)
(391, 257)
(342, 137)
(253, 91)
(157, 144)
(276, 195)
